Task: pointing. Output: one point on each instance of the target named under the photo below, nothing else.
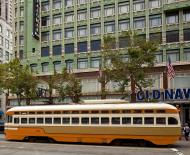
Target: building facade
(52, 34)
(6, 40)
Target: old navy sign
(167, 94)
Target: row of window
(5, 54)
(5, 42)
(83, 63)
(138, 22)
(96, 120)
(8, 32)
(138, 5)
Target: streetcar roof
(93, 107)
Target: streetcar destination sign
(167, 94)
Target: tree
(141, 56)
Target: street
(25, 148)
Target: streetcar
(95, 122)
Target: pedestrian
(186, 130)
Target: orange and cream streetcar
(97, 121)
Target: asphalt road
(25, 148)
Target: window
(57, 35)
(95, 29)
(45, 67)
(156, 37)
(159, 57)
(66, 120)
(21, 12)
(1, 52)
(45, 6)
(172, 36)
(138, 5)
(187, 54)
(23, 120)
(155, 21)
(75, 120)
(82, 47)
(123, 42)
(109, 27)
(186, 16)
(82, 31)
(85, 120)
(68, 3)
(95, 62)
(171, 1)
(126, 120)
(69, 64)
(172, 121)
(45, 36)
(21, 27)
(82, 63)
(56, 4)
(31, 120)
(33, 68)
(48, 120)
(57, 19)
(45, 21)
(7, 55)
(148, 120)
(137, 120)
(69, 17)
(160, 120)
(69, 48)
(21, 40)
(57, 66)
(44, 51)
(186, 34)
(57, 120)
(69, 33)
(123, 8)
(1, 28)
(21, 54)
(1, 40)
(105, 120)
(81, 15)
(94, 120)
(124, 25)
(7, 43)
(154, 3)
(40, 120)
(57, 50)
(115, 120)
(16, 120)
(173, 54)
(109, 11)
(172, 18)
(95, 45)
(95, 12)
(139, 23)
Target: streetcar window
(160, 120)
(115, 111)
(66, 120)
(75, 112)
(105, 120)
(126, 120)
(23, 120)
(40, 120)
(148, 120)
(85, 112)
(10, 118)
(94, 112)
(31, 120)
(16, 113)
(57, 120)
(104, 111)
(94, 120)
(23, 113)
(115, 120)
(75, 120)
(48, 112)
(149, 111)
(48, 120)
(16, 120)
(126, 111)
(66, 112)
(32, 112)
(137, 120)
(40, 112)
(85, 120)
(160, 111)
(172, 121)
